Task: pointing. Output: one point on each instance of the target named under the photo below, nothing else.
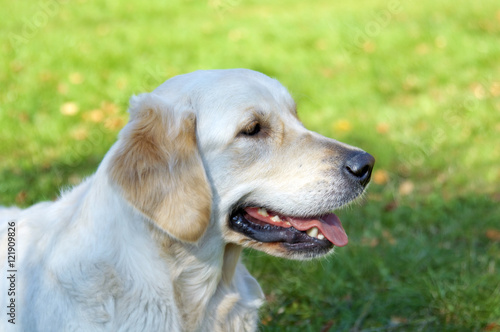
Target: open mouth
(321, 232)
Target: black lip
(291, 238)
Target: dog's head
(227, 146)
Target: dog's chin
(277, 237)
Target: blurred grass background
(417, 84)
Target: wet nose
(359, 167)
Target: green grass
(417, 84)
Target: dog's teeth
(313, 232)
(276, 218)
(263, 212)
(320, 236)
(288, 224)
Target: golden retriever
(210, 162)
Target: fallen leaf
(406, 188)
(493, 234)
(23, 117)
(76, 78)
(114, 123)
(21, 197)
(422, 49)
(326, 72)
(266, 320)
(342, 126)
(271, 297)
(45, 76)
(62, 88)
(380, 177)
(326, 327)
(16, 66)
(69, 108)
(492, 327)
(392, 205)
(388, 236)
(109, 108)
(369, 47)
(369, 241)
(94, 116)
(495, 89)
(478, 90)
(80, 133)
(395, 320)
(382, 128)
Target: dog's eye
(252, 129)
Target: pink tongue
(329, 225)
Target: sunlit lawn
(417, 84)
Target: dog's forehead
(221, 91)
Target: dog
(210, 162)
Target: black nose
(359, 166)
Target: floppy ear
(159, 169)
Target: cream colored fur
(144, 243)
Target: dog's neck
(202, 274)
